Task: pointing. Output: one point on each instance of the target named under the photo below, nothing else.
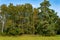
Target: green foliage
(24, 19)
(13, 31)
(48, 20)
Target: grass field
(29, 37)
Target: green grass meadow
(29, 37)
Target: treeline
(24, 19)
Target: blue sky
(55, 4)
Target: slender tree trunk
(3, 23)
(2, 26)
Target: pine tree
(48, 19)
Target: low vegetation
(29, 37)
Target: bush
(44, 28)
(13, 31)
